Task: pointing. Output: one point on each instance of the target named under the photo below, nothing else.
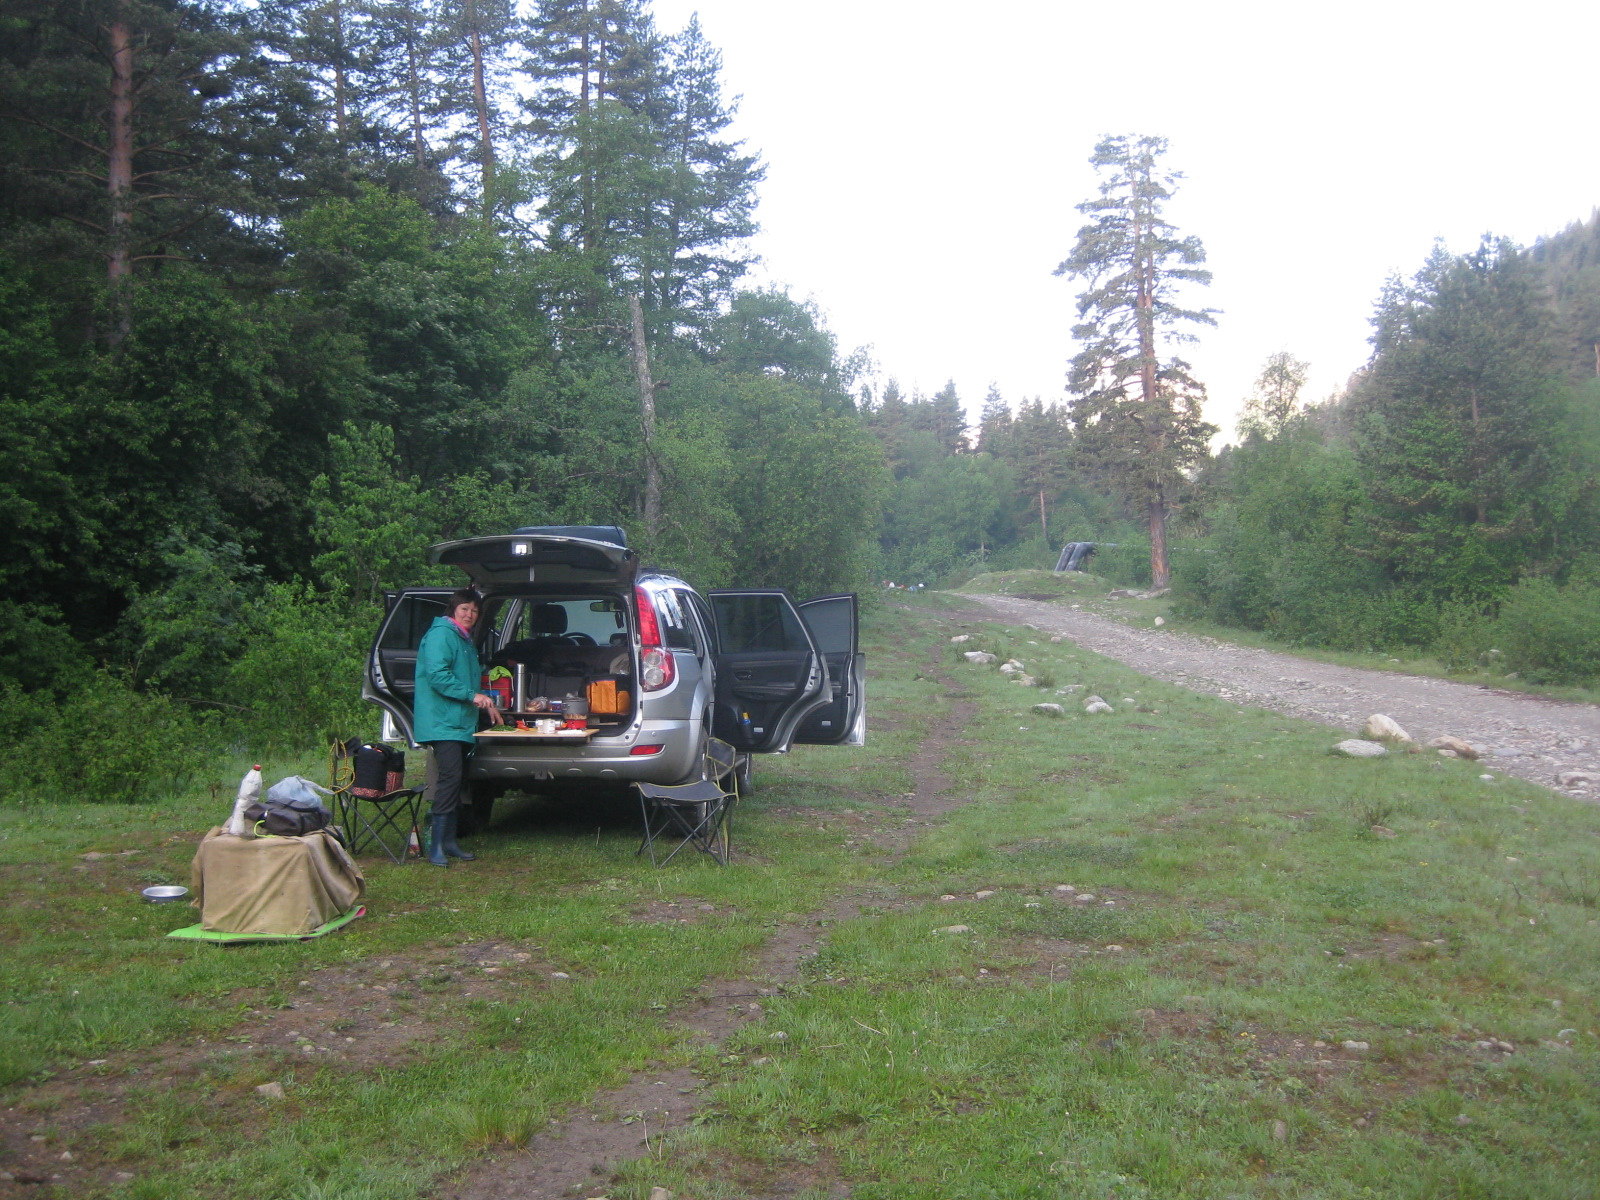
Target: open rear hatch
(544, 558)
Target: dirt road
(1537, 739)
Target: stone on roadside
(1486, 778)
(1123, 594)
(1024, 679)
(1380, 728)
(1280, 1131)
(1065, 887)
(1383, 831)
(661, 1193)
(1577, 778)
(954, 929)
(1098, 706)
(1448, 754)
(978, 656)
(272, 1091)
(1459, 748)
(1160, 621)
(983, 895)
(1356, 748)
(1056, 641)
(1084, 897)
(93, 856)
(1354, 1047)
(1050, 710)
(960, 638)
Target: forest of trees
(291, 289)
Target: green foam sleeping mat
(193, 933)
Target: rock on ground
(978, 656)
(1356, 748)
(1098, 706)
(1455, 745)
(1050, 710)
(1380, 728)
(960, 638)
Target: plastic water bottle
(746, 727)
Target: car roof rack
(592, 533)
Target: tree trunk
(119, 168)
(414, 94)
(480, 99)
(341, 82)
(1044, 529)
(647, 420)
(1160, 567)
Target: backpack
(291, 808)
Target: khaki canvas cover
(281, 885)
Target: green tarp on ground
(196, 933)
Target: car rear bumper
(603, 759)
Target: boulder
(1093, 699)
(1355, 748)
(1013, 662)
(1461, 749)
(1050, 710)
(1380, 728)
(1098, 706)
(1007, 668)
(978, 656)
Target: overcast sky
(924, 160)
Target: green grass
(1256, 914)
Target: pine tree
(994, 425)
(1136, 413)
(476, 38)
(1276, 397)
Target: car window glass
(410, 619)
(758, 622)
(830, 623)
(599, 620)
(674, 622)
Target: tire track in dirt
(1528, 736)
(624, 1124)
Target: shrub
(112, 743)
(1551, 634)
(299, 678)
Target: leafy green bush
(299, 678)
(111, 743)
(1551, 634)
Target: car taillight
(655, 660)
(639, 751)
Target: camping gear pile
(276, 868)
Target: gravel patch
(1551, 742)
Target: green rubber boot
(450, 845)
(439, 823)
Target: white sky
(924, 160)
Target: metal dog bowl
(166, 893)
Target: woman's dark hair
(462, 596)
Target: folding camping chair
(695, 814)
(386, 820)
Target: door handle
(744, 674)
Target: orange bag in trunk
(603, 696)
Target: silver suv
(566, 608)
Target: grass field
(1182, 1034)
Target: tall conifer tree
(1136, 412)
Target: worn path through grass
(1182, 1033)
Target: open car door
(392, 665)
(834, 625)
(771, 676)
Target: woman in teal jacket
(446, 715)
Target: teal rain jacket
(447, 679)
